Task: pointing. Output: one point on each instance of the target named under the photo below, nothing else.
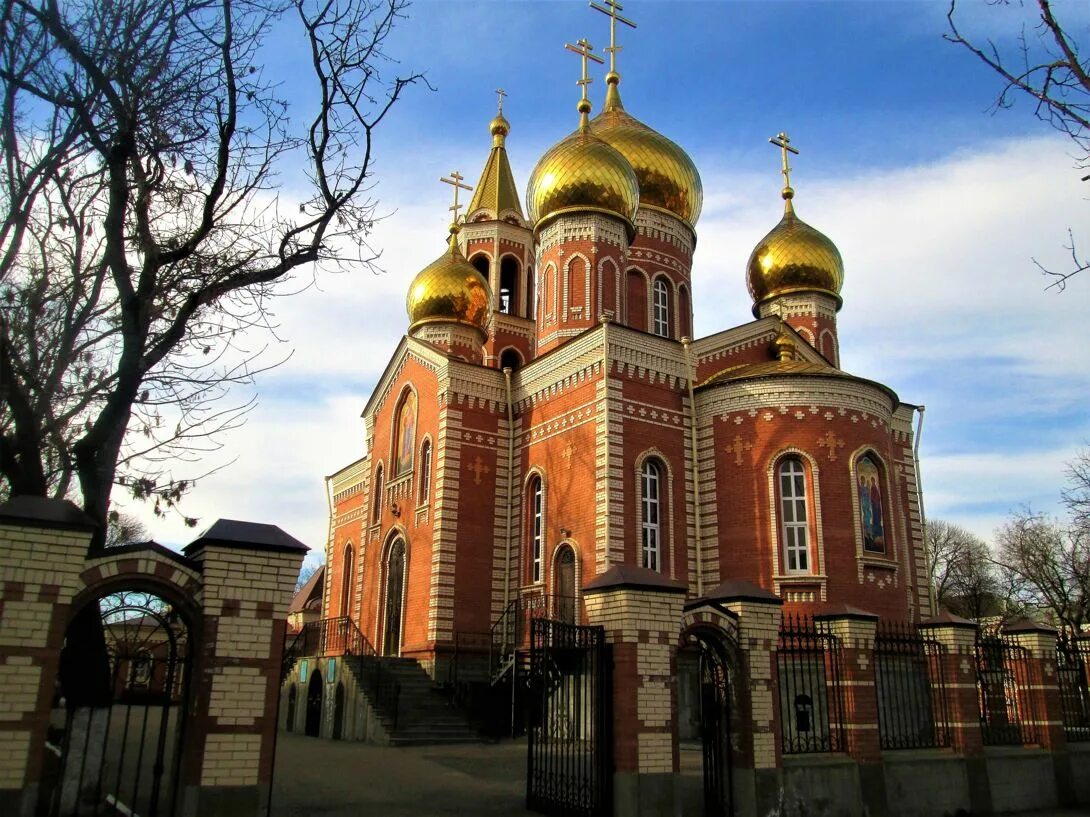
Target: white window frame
(797, 558)
(660, 307)
(425, 472)
(651, 517)
(537, 528)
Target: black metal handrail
(326, 637)
(511, 630)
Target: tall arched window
(405, 434)
(651, 513)
(481, 262)
(685, 312)
(509, 290)
(636, 300)
(348, 575)
(872, 518)
(660, 306)
(425, 471)
(535, 526)
(794, 516)
(376, 495)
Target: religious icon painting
(405, 433)
(870, 505)
(304, 665)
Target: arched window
(794, 516)
(577, 284)
(348, 574)
(376, 495)
(660, 306)
(510, 359)
(535, 525)
(872, 519)
(636, 298)
(480, 261)
(425, 471)
(405, 434)
(509, 292)
(685, 312)
(651, 513)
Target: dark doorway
(293, 695)
(124, 674)
(565, 585)
(510, 359)
(704, 668)
(338, 712)
(509, 292)
(314, 705)
(481, 263)
(395, 586)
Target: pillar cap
(844, 611)
(947, 619)
(1025, 625)
(736, 590)
(635, 578)
(233, 533)
(43, 512)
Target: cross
(610, 9)
(783, 142)
(501, 94)
(583, 49)
(567, 454)
(737, 448)
(456, 179)
(830, 441)
(478, 468)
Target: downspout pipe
(919, 502)
(690, 376)
(510, 485)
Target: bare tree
(1076, 497)
(1050, 567)
(125, 529)
(962, 571)
(1051, 67)
(141, 232)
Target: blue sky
(936, 201)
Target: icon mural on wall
(870, 505)
(304, 665)
(406, 433)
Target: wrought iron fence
(811, 701)
(1006, 715)
(327, 636)
(1073, 672)
(913, 709)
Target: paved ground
(324, 778)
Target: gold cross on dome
(783, 142)
(501, 94)
(456, 180)
(583, 49)
(610, 9)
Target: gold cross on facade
(456, 180)
(783, 142)
(610, 9)
(738, 448)
(501, 94)
(478, 468)
(583, 49)
(829, 440)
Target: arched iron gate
(715, 702)
(123, 690)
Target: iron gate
(124, 674)
(569, 740)
(715, 730)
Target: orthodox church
(549, 414)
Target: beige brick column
(43, 544)
(641, 613)
(756, 733)
(248, 572)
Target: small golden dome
(667, 176)
(581, 172)
(449, 290)
(499, 126)
(783, 346)
(794, 257)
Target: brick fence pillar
(248, 573)
(1039, 700)
(959, 677)
(640, 610)
(43, 544)
(855, 630)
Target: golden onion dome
(499, 126)
(667, 176)
(449, 290)
(581, 172)
(794, 257)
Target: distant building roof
(310, 593)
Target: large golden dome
(449, 290)
(794, 257)
(667, 176)
(581, 172)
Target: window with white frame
(660, 305)
(376, 499)
(425, 471)
(651, 507)
(537, 528)
(794, 516)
